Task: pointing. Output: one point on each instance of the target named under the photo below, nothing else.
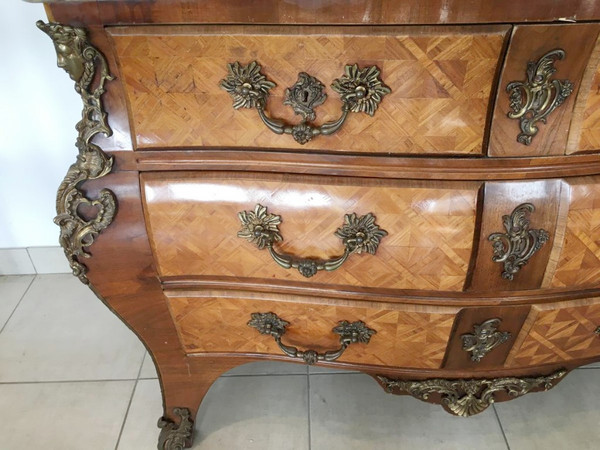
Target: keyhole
(304, 96)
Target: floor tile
(49, 260)
(565, 417)
(15, 261)
(63, 416)
(12, 289)
(268, 368)
(61, 331)
(327, 370)
(148, 369)
(353, 412)
(140, 430)
(257, 412)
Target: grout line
(308, 402)
(31, 259)
(18, 303)
(501, 427)
(130, 401)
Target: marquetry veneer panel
(559, 332)
(579, 262)
(440, 78)
(589, 139)
(193, 224)
(406, 336)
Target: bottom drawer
(558, 332)
(405, 335)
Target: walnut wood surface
(558, 332)
(407, 336)
(193, 225)
(529, 43)
(122, 273)
(440, 80)
(501, 198)
(326, 12)
(430, 168)
(512, 319)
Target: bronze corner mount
(82, 61)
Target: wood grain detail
(560, 332)
(500, 199)
(406, 336)
(193, 224)
(511, 320)
(529, 43)
(579, 262)
(440, 80)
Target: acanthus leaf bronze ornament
(359, 234)
(515, 247)
(485, 338)
(597, 331)
(361, 90)
(350, 333)
(81, 60)
(533, 100)
(176, 436)
(469, 397)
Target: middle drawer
(194, 220)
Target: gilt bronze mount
(484, 339)
(361, 90)
(359, 234)
(515, 247)
(176, 436)
(350, 333)
(81, 61)
(469, 397)
(533, 100)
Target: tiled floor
(72, 376)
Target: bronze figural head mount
(69, 43)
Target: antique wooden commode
(409, 189)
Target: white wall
(38, 112)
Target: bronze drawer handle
(533, 100)
(359, 234)
(515, 247)
(484, 339)
(361, 90)
(350, 333)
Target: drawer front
(558, 332)
(483, 337)
(530, 43)
(193, 226)
(440, 80)
(405, 336)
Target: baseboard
(33, 260)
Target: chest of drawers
(431, 218)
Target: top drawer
(441, 80)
